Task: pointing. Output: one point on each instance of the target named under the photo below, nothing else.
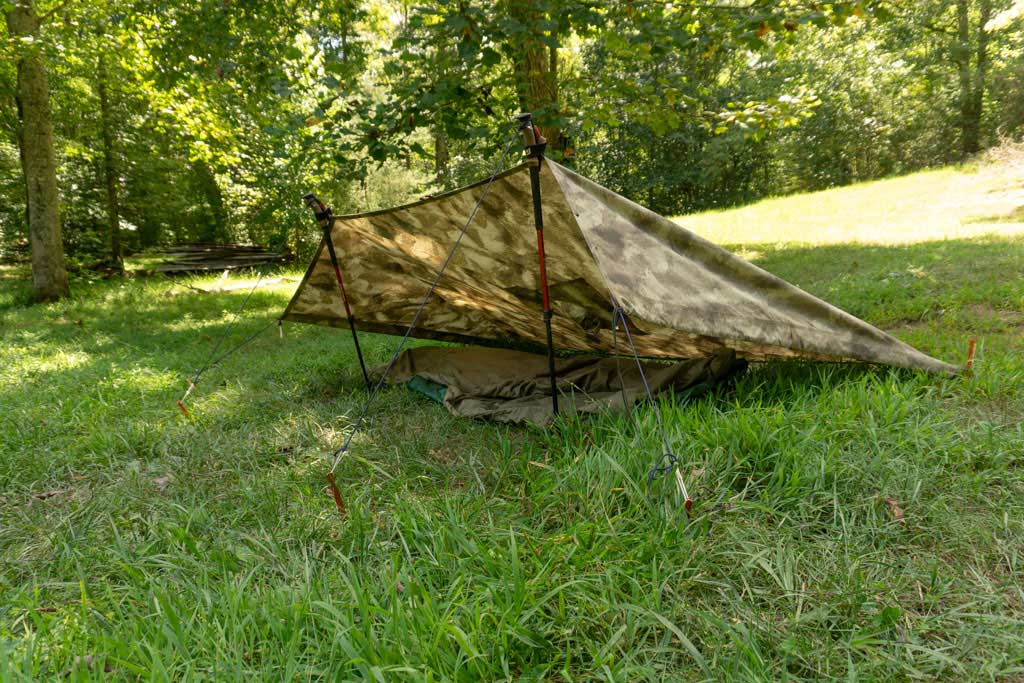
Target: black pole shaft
(348, 310)
(537, 154)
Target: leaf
(550, 41)
(686, 642)
(490, 57)
(893, 506)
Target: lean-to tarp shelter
(683, 296)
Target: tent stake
(325, 218)
(535, 144)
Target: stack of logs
(195, 258)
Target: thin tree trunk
(969, 123)
(219, 229)
(38, 163)
(109, 166)
(442, 158)
(23, 162)
(442, 153)
(980, 70)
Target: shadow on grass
(15, 286)
(1015, 216)
(144, 338)
(959, 287)
(93, 381)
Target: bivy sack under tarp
(506, 385)
(681, 296)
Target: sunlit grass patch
(944, 204)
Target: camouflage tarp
(684, 296)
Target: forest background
(126, 125)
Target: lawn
(851, 523)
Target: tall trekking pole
(535, 144)
(325, 218)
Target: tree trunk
(109, 166)
(972, 85)
(536, 69)
(442, 157)
(980, 70)
(218, 229)
(962, 57)
(35, 139)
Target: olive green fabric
(684, 297)
(513, 386)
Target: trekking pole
(325, 218)
(535, 144)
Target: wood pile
(195, 258)
(16, 252)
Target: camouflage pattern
(684, 297)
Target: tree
(972, 81)
(38, 162)
(534, 57)
(960, 36)
(109, 165)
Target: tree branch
(57, 8)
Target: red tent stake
(336, 493)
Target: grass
(942, 204)
(852, 523)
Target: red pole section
(341, 288)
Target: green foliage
(225, 113)
(866, 94)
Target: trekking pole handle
(320, 210)
(531, 134)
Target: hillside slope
(949, 203)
